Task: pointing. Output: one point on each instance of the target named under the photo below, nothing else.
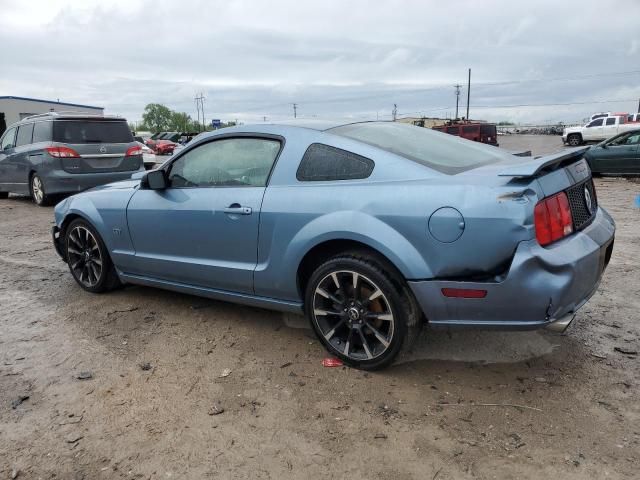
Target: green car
(619, 155)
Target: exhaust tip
(559, 326)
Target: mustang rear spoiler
(531, 168)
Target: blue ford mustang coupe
(371, 229)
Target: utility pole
(394, 112)
(457, 86)
(638, 105)
(200, 106)
(468, 93)
(295, 110)
(264, 118)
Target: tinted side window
(469, 129)
(8, 139)
(24, 134)
(42, 132)
(322, 162)
(611, 121)
(227, 162)
(596, 123)
(452, 130)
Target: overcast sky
(333, 58)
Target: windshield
(439, 151)
(91, 131)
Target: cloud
(254, 59)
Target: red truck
(478, 132)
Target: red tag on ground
(331, 362)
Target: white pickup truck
(597, 130)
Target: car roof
(66, 116)
(314, 124)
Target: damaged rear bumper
(543, 288)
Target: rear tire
(575, 139)
(88, 259)
(38, 193)
(360, 312)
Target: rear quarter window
(42, 132)
(324, 163)
(91, 131)
(25, 132)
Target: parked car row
(164, 143)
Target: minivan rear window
(444, 153)
(91, 131)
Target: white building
(13, 109)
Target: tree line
(160, 118)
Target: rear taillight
(553, 219)
(62, 152)
(133, 151)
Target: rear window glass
(86, 131)
(42, 132)
(443, 153)
(24, 134)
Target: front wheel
(574, 140)
(360, 312)
(88, 258)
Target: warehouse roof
(50, 101)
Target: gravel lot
(157, 404)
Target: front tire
(38, 194)
(360, 312)
(88, 258)
(575, 139)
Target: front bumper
(62, 182)
(543, 285)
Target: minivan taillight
(133, 151)
(62, 152)
(552, 218)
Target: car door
(610, 127)
(593, 130)
(618, 155)
(203, 229)
(18, 167)
(7, 146)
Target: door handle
(237, 209)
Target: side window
(224, 163)
(596, 123)
(611, 121)
(25, 132)
(8, 139)
(453, 130)
(324, 163)
(42, 132)
(633, 139)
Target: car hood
(129, 184)
(572, 130)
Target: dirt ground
(157, 404)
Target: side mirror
(154, 180)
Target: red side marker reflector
(331, 362)
(463, 293)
